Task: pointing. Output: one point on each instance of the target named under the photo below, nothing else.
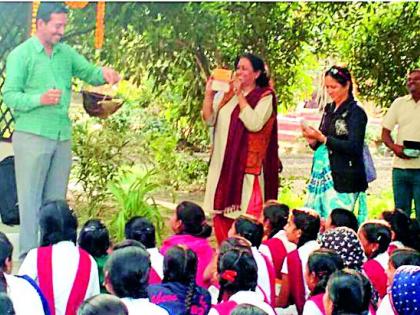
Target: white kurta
(254, 120)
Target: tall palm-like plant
(132, 191)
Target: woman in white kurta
(244, 149)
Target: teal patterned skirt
(321, 195)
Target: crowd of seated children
(321, 270)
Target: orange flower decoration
(100, 24)
(35, 7)
(76, 4)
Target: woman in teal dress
(338, 177)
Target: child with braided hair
(178, 293)
(237, 271)
(322, 263)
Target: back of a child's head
(193, 219)
(127, 271)
(142, 230)
(309, 222)
(250, 229)
(404, 256)
(400, 225)
(128, 243)
(6, 305)
(343, 217)
(323, 263)
(247, 309)
(414, 234)
(94, 238)
(237, 271)
(179, 265)
(103, 304)
(276, 214)
(235, 241)
(57, 223)
(6, 250)
(376, 232)
(345, 290)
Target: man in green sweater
(37, 88)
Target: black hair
(277, 215)
(323, 263)
(344, 217)
(236, 241)
(6, 250)
(6, 305)
(193, 219)
(343, 76)
(400, 224)
(57, 223)
(128, 243)
(94, 238)
(346, 291)
(247, 309)
(370, 295)
(237, 271)
(415, 234)
(257, 65)
(180, 265)
(103, 304)
(308, 222)
(142, 230)
(404, 256)
(377, 231)
(250, 229)
(46, 9)
(128, 272)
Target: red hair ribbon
(229, 275)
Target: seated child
(103, 304)
(345, 293)
(341, 217)
(237, 271)
(276, 246)
(66, 274)
(191, 230)
(94, 238)
(398, 258)
(127, 277)
(322, 263)
(401, 229)
(24, 298)
(302, 229)
(178, 293)
(142, 230)
(375, 236)
(252, 230)
(404, 295)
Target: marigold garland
(35, 6)
(77, 4)
(100, 24)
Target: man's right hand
(398, 151)
(51, 97)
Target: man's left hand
(110, 75)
